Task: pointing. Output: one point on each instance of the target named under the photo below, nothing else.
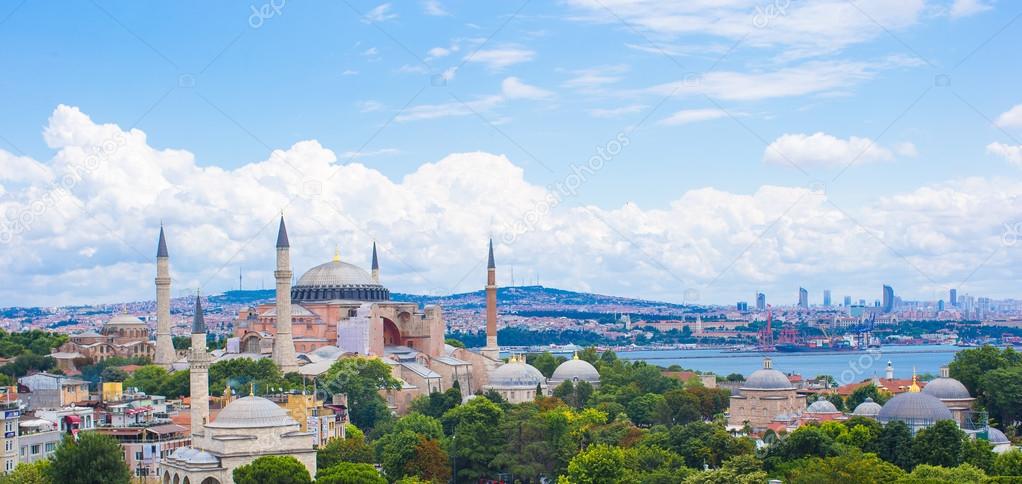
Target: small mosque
(766, 397)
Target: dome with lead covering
(337, 280)
(914, 408)
(575, 370)
(516, 373)
(252, 412)
(868, 408)
(947, 389)
(767, 378)
(822, 406)
(996, 437)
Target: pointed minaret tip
(490, 264)
(376, 261)
(161, 249)
(282, 241)
(198, 322)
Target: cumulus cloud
(94, 240)
(824, 150)
(1011, 153)
(1011, 118)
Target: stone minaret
(198, 365)
(376, 266)
(165, 354)
(283, 344)
(492, 350)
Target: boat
(803, 348)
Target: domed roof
(868, 408)
(996, 437)
(516, 373)
(252, 412)
(576, 369)
(947, 389)
(914, 407)
(336, 273)
(767, 378)
(822, 406)
(124, 320)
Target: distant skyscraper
(940, 305)
(760, 301)
(742, 306)
(954, 298)
(888, 301)
(848, 301)
(826, 298)
(803, 298)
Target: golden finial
(914, 388)
(337, 253)
(251, 389)
(574, 356)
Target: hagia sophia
(767, 400)
(336, 310)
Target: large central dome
(337, 280)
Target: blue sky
(726, 98)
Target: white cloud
(686, 116)
(823, 150)
(96, 242)
(380, 13)
(501, 57)
(1011, 153)
(796, 29)
(439, 52)
(1011, 118)
(596, 77)
(349, 155)
(434, 8)
(370, 52)
(514, 88)
(965, 8)
(616, 112)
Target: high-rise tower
(165, 354)
(376, 265)
(492, 350)
(283, 344)
(198, 365)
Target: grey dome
(868, 408)
(124, 320)
(822, 406)
(575, 370)
(947, 389)
(338, 280)
(914, 408)
(996, 437)
(767, 379)
(516, 374)
(252, 412)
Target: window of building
(138, 455)
(50, 447)
(36, 448)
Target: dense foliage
(92, 459)
(279, 469)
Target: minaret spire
(376, 265)
(165, 354)
(283, 344)
(492, 350)
(198, 365)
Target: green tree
(546, 363)
(539, 443)
(25, 473)
(429, 462)
(1008, 463)
(149, 379)
(176, 384)
(701, 443)
(94, 458)
(396, 449)
(349, 473)
(894, 444)
(726, 476)
(860, 395)
(598, 464)
(361, 379)
(807, 441)
(278, 469)
(979, 453)
(474, 443)
(679, 407)
(939, 445)
(1001, 390)
(351, 449)
(850, 467)
(645, 409)
(970, 365)
(963, 474)
(454, 342)
(113, 374)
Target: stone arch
(166, 478)
(186, 481)
(391, 334)
(210, 480)
(177, 479)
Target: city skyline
(750, 149)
